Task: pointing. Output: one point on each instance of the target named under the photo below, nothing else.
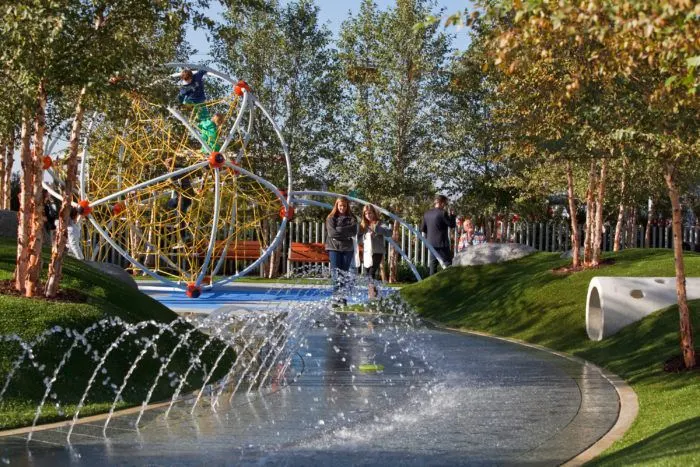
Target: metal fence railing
(549, 236)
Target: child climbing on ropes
(209, 130)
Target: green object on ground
(105, 298)
(524, 299)
(370, 367)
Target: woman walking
(341, 228)
(371, 236)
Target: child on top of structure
(192, 92)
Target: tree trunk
(275, 261)
(621, 210)
(686, 326)
(25, 203)
(590, 206)
(7, 200)
(393, 256)
(650, 216)
(4, 187)
(32, 283)
(575, 242)
(631, 227)
(59, 246)
(598, 234)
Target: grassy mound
(524, 299)
(117, 305)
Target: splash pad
(299, 383)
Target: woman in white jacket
(371, 237)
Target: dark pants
(446, 255)
(340, 261)
(373, 270)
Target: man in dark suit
(435, 225)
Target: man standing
(436, 223)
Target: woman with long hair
(341, 228)
(371, 235)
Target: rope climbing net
(178, 190)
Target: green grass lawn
(523, 299)
(106, 298)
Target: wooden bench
(307, 253)
(241, 249)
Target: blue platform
(236, 294)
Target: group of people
(343, 232)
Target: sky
(333, 13)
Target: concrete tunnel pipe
(615, 302)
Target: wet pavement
(442, 398)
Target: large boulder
(114, 271)
(488, 253)
(8, 224)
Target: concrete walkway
(443, 398)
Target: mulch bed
(7, 287)
(675, 364)
(564, 270)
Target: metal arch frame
(249, 103)
(380, 209)
(388, 239)
(254, 102)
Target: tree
(396, 87)
(643, 56)
(287, 58)
(71, 48)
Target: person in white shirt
(371, 237)
(74, 236)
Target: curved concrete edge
(627, 398)
(92, 418)
(629, 407)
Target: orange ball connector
(216, 160)
(287, 214)
(117, 208)
(193, 291)
(84, 208)
(47, 163)
(240, 86)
